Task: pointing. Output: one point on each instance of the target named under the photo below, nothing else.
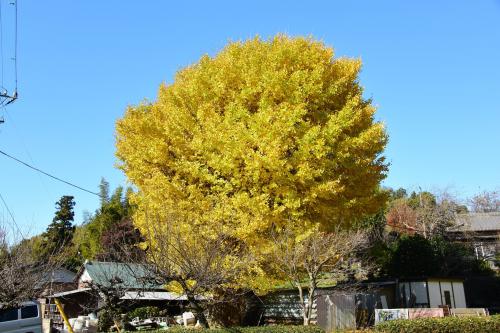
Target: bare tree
(207, 266)
(23, 277)
(485, 202)
(305, 261)
(435, 218)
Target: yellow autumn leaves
(266, 134)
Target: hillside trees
(264, 135)
(420, 223)
(437, 256)
(93, 239)
(424, 213)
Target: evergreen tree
(104, 191)
(60, 232)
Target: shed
(351, 306)
(132, 284)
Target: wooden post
(63, 315)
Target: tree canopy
(109, 224)
(263, 134)
(59, 233)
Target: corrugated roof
(154, 296)
(70, 292)
(479, 222)
(107, 274)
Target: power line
(25, 146)
(48, 174)
(11, 215)
(6, 96)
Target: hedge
(442, 325)
(253, 329)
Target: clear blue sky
(431, 67)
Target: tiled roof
(479, 222)
(59, 275)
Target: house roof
(154, 296)
(126, 275)
(479, 222)
(133, 295)
(70, 292)
(59, 275)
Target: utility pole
(8, 95)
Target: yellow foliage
(266, 133)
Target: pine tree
(60, 232)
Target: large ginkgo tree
(264, 135)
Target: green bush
(254, 329)
(144, 312)
(105, 321)
(442, 325)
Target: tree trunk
(117, 325)
(305, 310)
(198, 310)
(310, 300)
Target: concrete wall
(434, 294)
(458, 288)
(438, 289)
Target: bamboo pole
(63, 315)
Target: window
(8, 315)
(419, 294)
(404, 294)
(413, 294)
(30, 311)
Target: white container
(188, 318)
(78, 325)
(71, 322)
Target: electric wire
(48, 174)
(21, 139)
(11, 215)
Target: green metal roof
(123, 275)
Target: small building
(482, 231)
(351, 306)
(56, 281)
(128, 282)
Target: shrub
(253, 329)
(442, 325)
(105, 321)
(144, 312)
